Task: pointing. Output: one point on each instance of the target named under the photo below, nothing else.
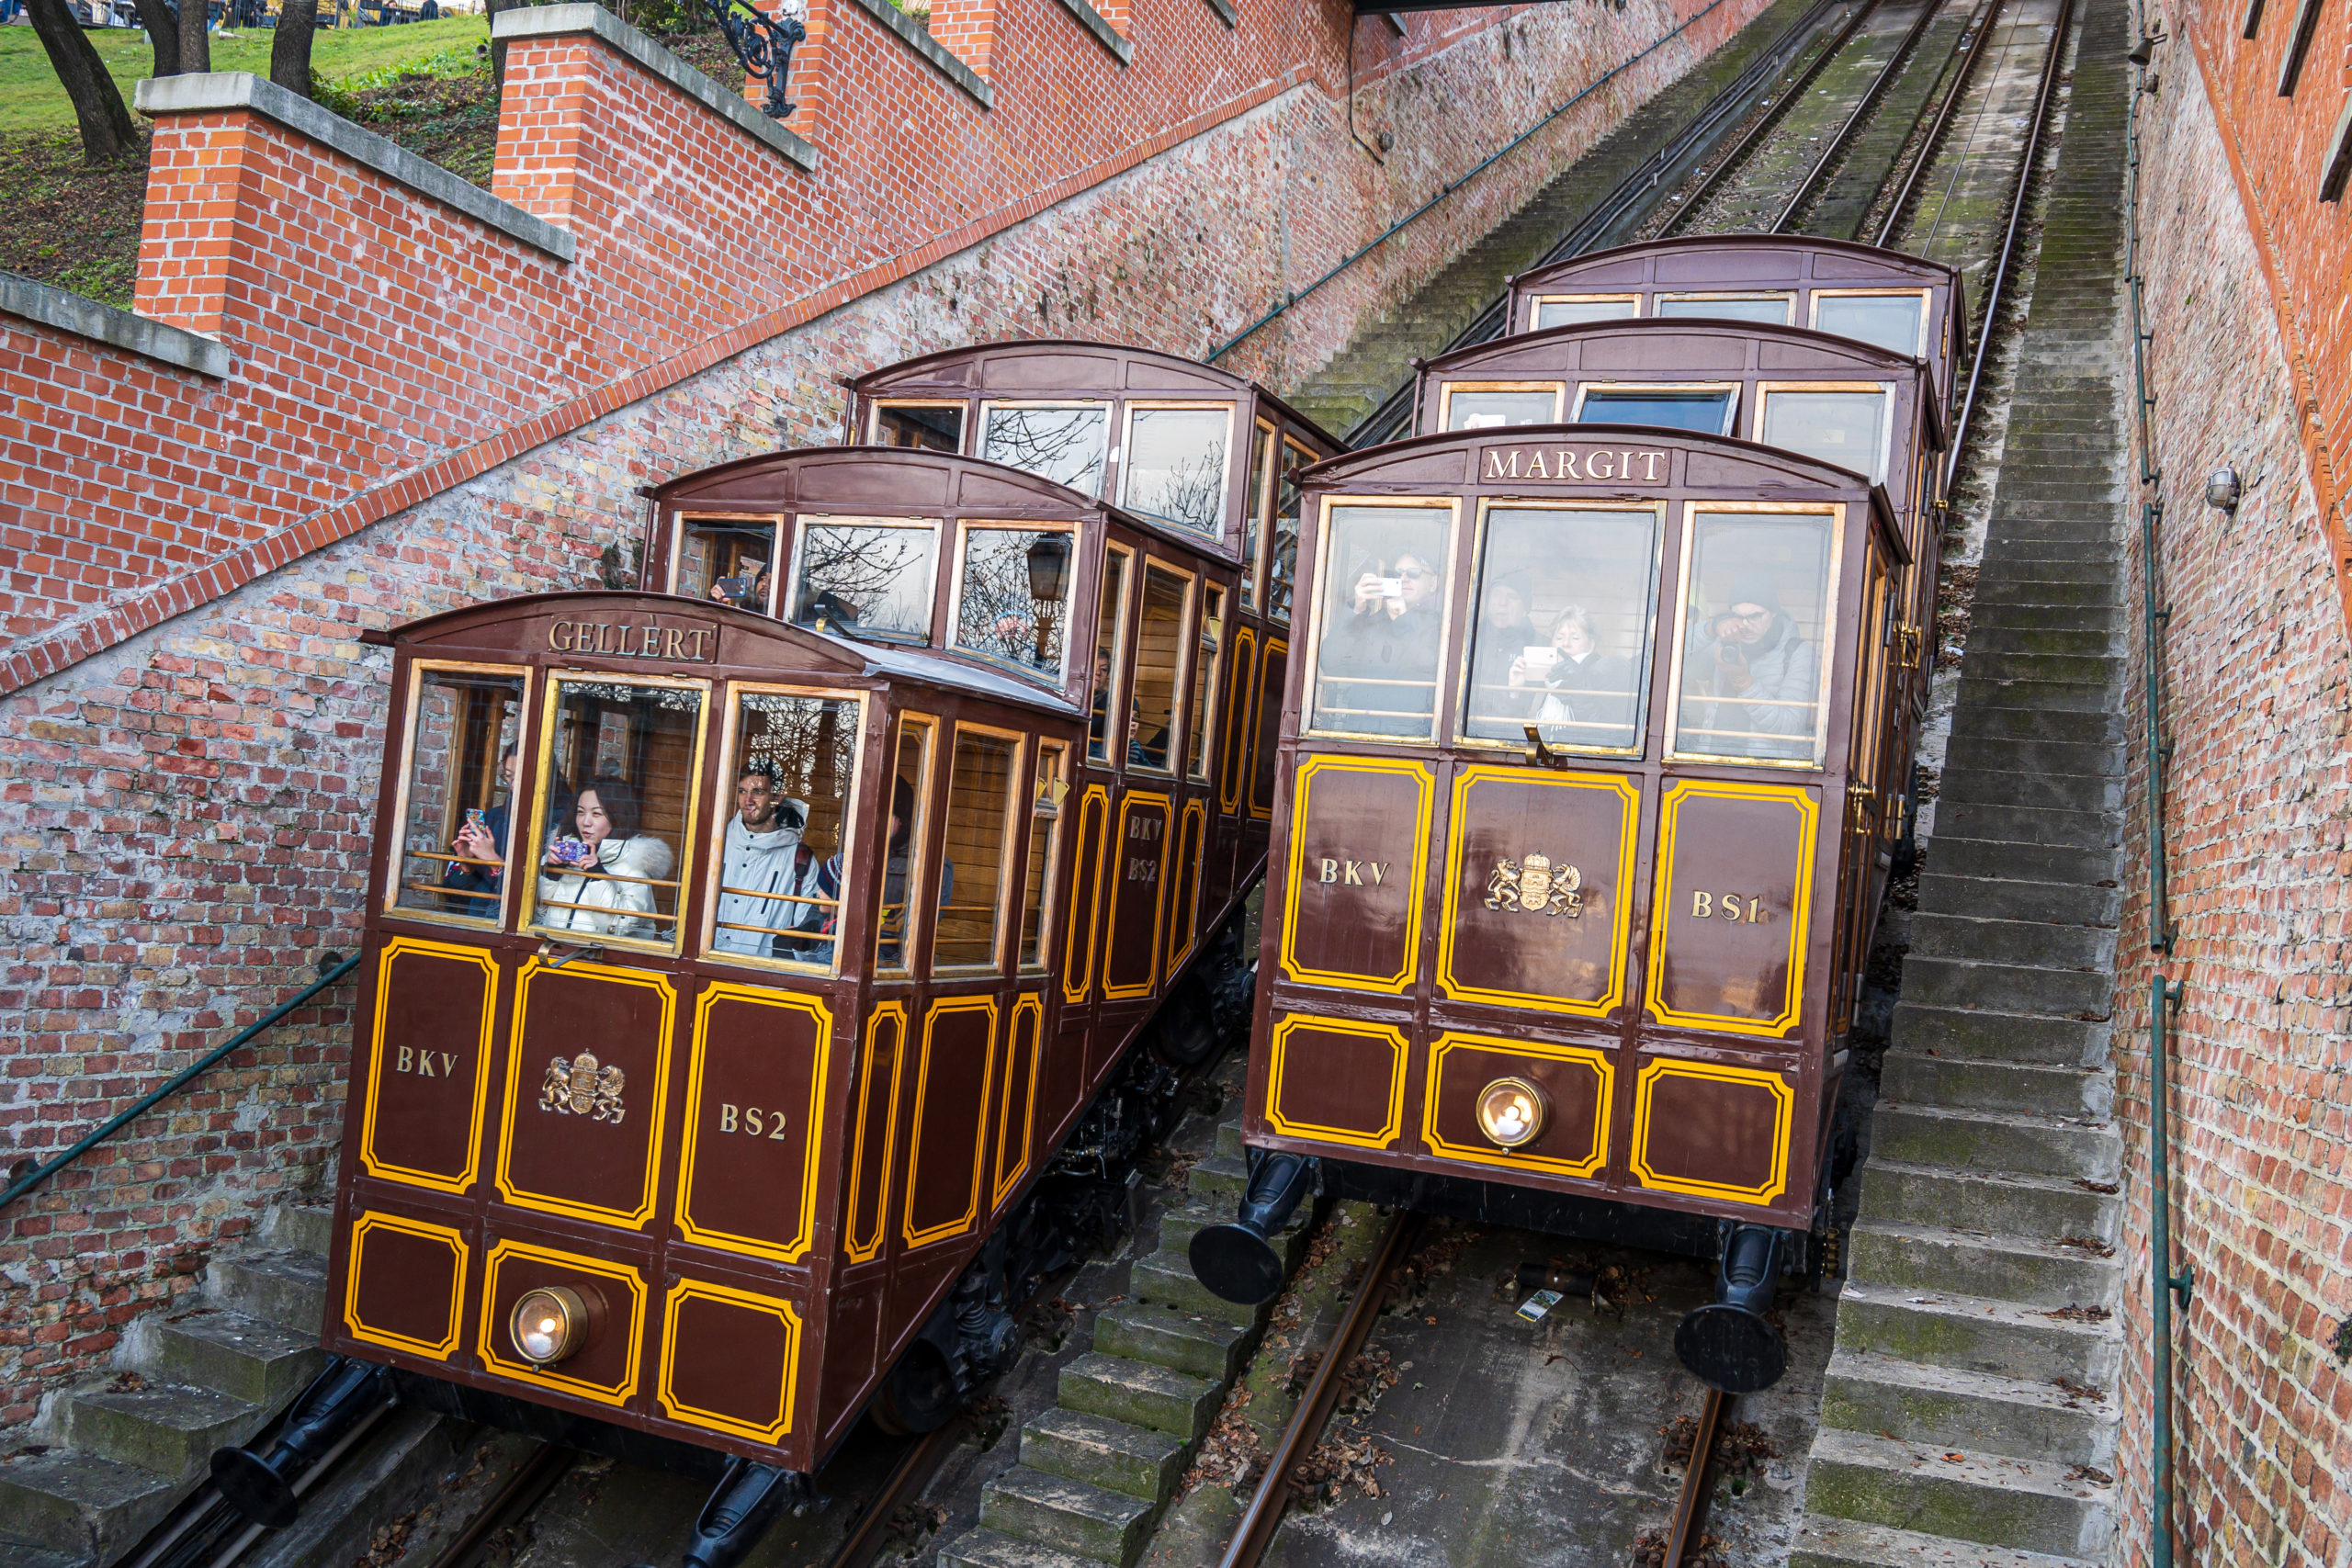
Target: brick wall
(2258, 703)
(186, 564)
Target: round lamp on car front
(548, 1325)
(1511, 1111)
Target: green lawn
(31, 99)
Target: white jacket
(641, 856)
(765, 864)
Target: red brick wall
(184, 565)
(2258, 703)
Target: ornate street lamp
(1048, 578)
(765, 45)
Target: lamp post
(1048, 578)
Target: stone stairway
(1969, 1413)
(107, 1461)
(1096, 1469)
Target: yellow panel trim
(858, 1251)
(518, 1084)
(1478, 1154)
(1089, 907)
(1621, 931)
(438, 1349)
(959, 1227)
(1233, 775)
(1800, 906)
(694, 1416)
(385, 1169)
(1192, 848)
(1006, 1180)
(794, 1250)
(541, 1377)
(1784, 1102)
(1425, 784)
(1387, 1034)
(1159, 903)
(1258, 715)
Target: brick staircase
(1969, 1413)
(1096, 1469)
(115, 1456)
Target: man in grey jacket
(1764, 675)
(767, 874)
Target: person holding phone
(601, 881)
(481, 846)
(1384, 651)
(1764, 677)
(1580, 695)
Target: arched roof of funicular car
(1889, 263)
(877, 381)
(1869, 359)
(1419, 463)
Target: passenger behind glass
(603, 876)
(1504, 634)
(894, 875)
(1095, 724)
(1581, 695)
(1750, 656)
(746, 591)
(481, 845)
(1387, 650)
(769, 878)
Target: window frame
(803, 522)
(874, 411)
(1008, 885)
(978, 442)
(1048, 883)
(1536, 302)
(1121, 637)
(918, 847)
(1261, 479)
(1451, 506)
(1881, 465)
(965, 527)
(397, 862)
(1731, 408)
(1824, 644)
(1924, 295)
(689, 832)
(1266, 600)
(1179, 718)
(1201, 723)
(1445, 390)
(1643, 695)
(777, 521)
(715, 873)
(1787, 298)
(1123, 452)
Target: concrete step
(1068, 1516)
(1229, 1139)
(2044, 634)
(1979, 1413)
(2088, 620)
(2046, 1207)
(2033, 755)
(1989, 691)
(1957, 853)
(1991, 721)
(79, 1503)
(301, 1227)
(988, 1548)
(2003, 665)
(285, 1288)
(1140, 1393)
(1997, 1501)
(1220, 1176)
(2006, 898)
(2029, 1088)
(1977, 1334)
(1183, 1342)
(1931, 1258)
(2002, 1036)
(1117, 1455)
(2084, 994)
(2058, 591)
(2032, 825)
(2042, 943)
(1166, 1278)
(1990, 1141)
(1178, 1226)
(170, 1429)
(1994, 777)
(1845, 1543)
(261, 1363)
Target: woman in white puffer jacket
(612, 898)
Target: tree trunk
(163, 35)
(196, 38)
(289, 50)
(107, 129)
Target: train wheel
(920, 1393)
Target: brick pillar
(966, 28)
(200, 184)
(543, 122)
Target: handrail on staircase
(178, 1080)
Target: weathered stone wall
(189, 824)
(2257, 701)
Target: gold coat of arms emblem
(1536, 886)
(583, 1087)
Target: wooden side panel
(945, 1158)
(1358, 837)
(1539, 891)
(751, 1156)
(581, 1129)
(1729, 924)
(1135, 874)
(428, 1063)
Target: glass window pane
(619, 775)
(1491, 411)
(1045, 838)
(1562, 635)
(1176, 466)
(1754, 619)
(903, 842)
(1013, 597)
(1382, 616)
(1886, 321)
(1066, 444)
(1572, 313)
(929, 428)
(724, 561)
(870, 579)
(1208, 664)
(1253, 511)
(979, 828)
(458, 811)
(1709, 412)
(1732, 308)
(1845, 428)
(1160, 652)
(1107, 621)
(780, 869)
(1281, 564)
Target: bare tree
(163, 25)
(1063, 444)
(107, 133)
(290, 46)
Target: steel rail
(1264, 1515)
(1842, 139)
(513, 1503)
(1691, 1504)
(1960, 79)
(906, 1479)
